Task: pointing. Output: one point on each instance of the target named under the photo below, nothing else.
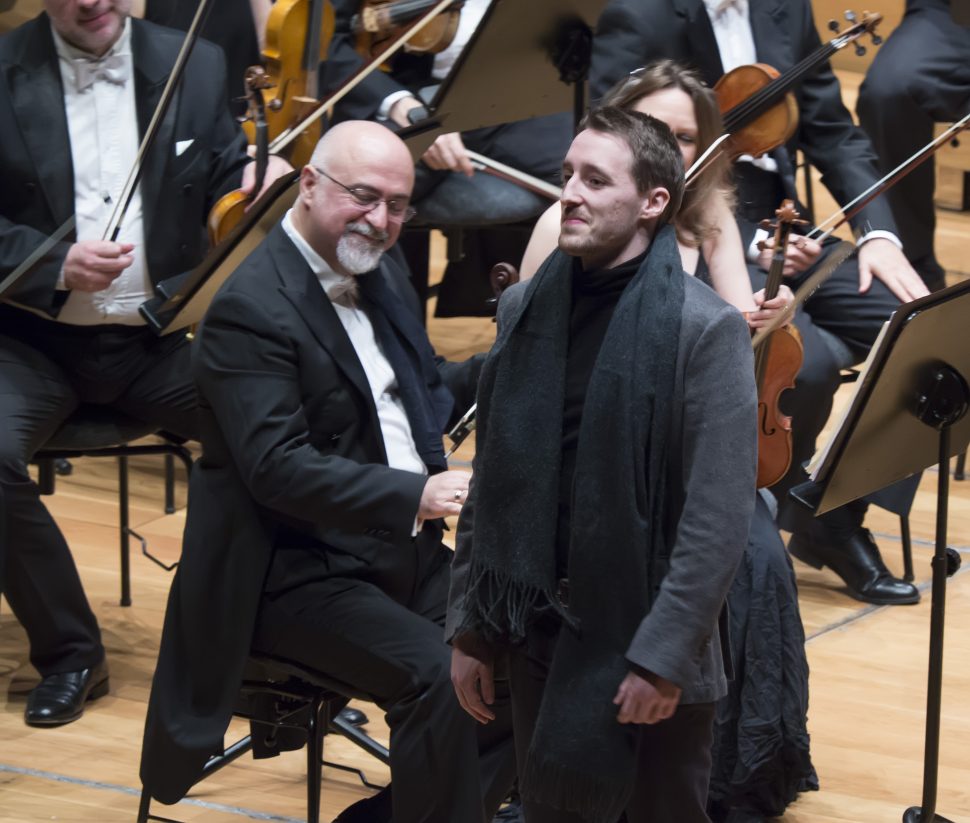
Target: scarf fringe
(595, 798)
(500, 607)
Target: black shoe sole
(98, 690)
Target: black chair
(97, 431)
(287, 706)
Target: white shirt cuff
(753, 250)
(877, 234)
(61, 282)
(385, 108)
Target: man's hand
(882, 258)
(399, 111)
(769, 309)
(474, 682)
(448, 153)
(93, 265)
(800, 253)
(276, 167)
(444, 494)
(646, 698)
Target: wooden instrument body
(380, 21)
(773, 126)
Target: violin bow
(846, 249)
(134, 176)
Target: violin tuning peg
(275, 104)
(834, 25)
(876, 40)
(860, 50)
(851, 16)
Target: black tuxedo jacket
(536, 146)
(293, 482)
(177, 191)
(632, 33)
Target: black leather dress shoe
(60, 698)
(858, 562)
(374, 809)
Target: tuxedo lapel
(152, 67)
(303, 290)
(772, 35)
(38, 101)
(700, 34)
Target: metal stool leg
(123, 528)
(959, 472)
(908, 575)
(169, 484)
(316, 727)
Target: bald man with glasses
(315, 522)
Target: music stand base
(914, 814)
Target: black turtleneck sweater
(595, 294)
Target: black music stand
(519, 64)
(908, 413)
(182, 301)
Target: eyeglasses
(398, 211)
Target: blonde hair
(693, 223)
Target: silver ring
(458, 495)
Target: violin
(381, 20)
(757, 102)
(231, 207)
(297, 35)
(777, 361)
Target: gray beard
(357, 255)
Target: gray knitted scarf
(581, 758)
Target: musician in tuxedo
(448, 191)
(595, 553)
(920, 75)
(842, 318)
(314, 524)
(78, 87)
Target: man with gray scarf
(610, 499)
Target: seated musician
(81, 82)
(919, 76)
(848, 309)
(314, 525)
(448, 191)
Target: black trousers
(378, 629)
(673, 757)
(919, 76)
(46, 370)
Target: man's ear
(654, 203)
(308, 183)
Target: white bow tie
(112, 68)
(343, 293)
(718, 10)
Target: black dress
(760, 756)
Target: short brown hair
(692, 223)
(657, 160)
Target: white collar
(333, 282)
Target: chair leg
(45, 475)
(907, 548)
(169, 484)
(123, 528)
(959, 473)
(143, 806)
(316, 728)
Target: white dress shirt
(102, 123)
(395, 427)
